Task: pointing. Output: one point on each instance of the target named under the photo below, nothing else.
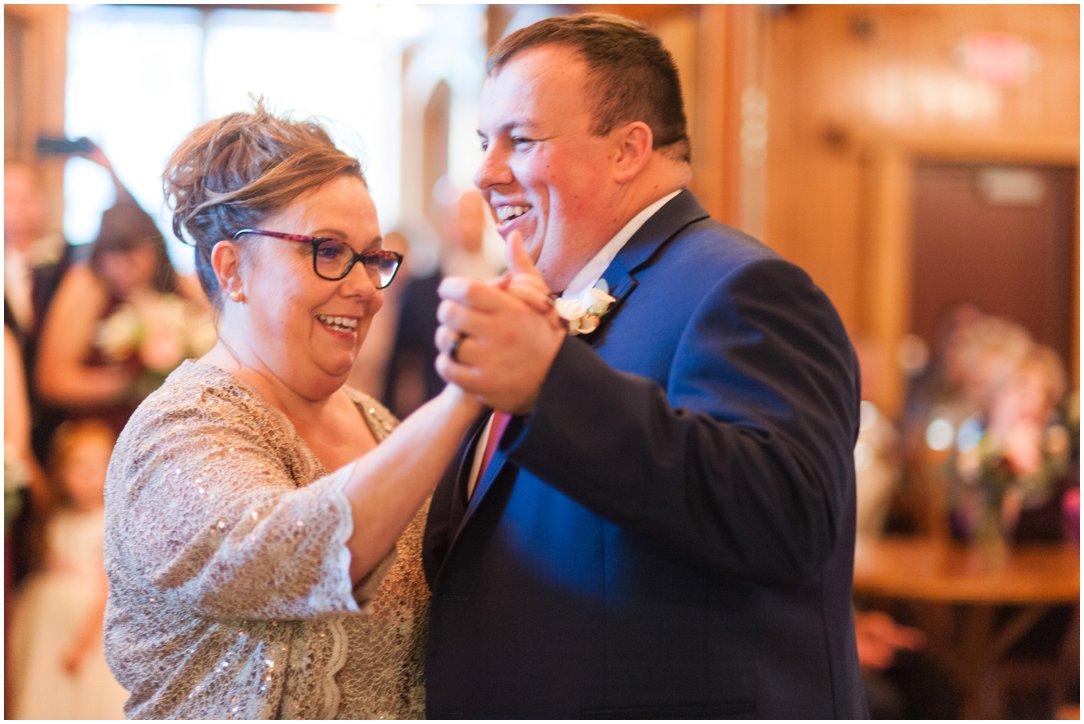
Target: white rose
(120, 333)
(583, 311)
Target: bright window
(140, 78)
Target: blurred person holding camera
(121, 320)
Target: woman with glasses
(263, 520)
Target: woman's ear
(634, 141)
(226, 263)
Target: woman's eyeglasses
(333, 259)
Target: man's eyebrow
(524, 123)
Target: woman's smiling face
(303, 329)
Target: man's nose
(493, 170)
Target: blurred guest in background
(120, 322)
(934, 406)
(23, 481)
(1013, 462)
(35, 259)
(978, 356)
(56, 662)
(878, 464)
(939, 381)
(901, 681)
(460, 223)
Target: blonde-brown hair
(232, 172)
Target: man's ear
(226, 263)
(634, 141)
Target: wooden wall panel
(856, 95)
(35, 68)
(859, 93)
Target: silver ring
(453, 349)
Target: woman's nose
(359, 281)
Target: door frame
(888, 167)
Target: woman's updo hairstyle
(232, 172)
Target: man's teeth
(344, 324)
(504, 213)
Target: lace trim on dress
(332, 694)
(367, 587)
(339, 644)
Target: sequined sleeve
(208, 496)
(229, 587)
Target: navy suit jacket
(670, 531)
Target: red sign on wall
(997, 58)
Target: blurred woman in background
(120, 322)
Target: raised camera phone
(60, 146)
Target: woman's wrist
(460, 403)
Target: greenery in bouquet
(16, 478)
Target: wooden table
(976, 581)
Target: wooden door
(1000, 236)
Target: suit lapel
(648, 240)
(484, 483)
(459, 502)
(678, 213)
(657, 231)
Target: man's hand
(498, 340)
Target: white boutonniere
(585, 310)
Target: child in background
(56, 665)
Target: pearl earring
(238, 296)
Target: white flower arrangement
(584, 311)
(158, 330)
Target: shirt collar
(592, 271)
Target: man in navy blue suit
(665, 523)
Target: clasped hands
(498, 339)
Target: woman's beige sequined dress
(230, 596)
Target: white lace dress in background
(50, 613)
(230, 596)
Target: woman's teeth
(339, 324)
(506, 213)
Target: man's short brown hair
(633, 76)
